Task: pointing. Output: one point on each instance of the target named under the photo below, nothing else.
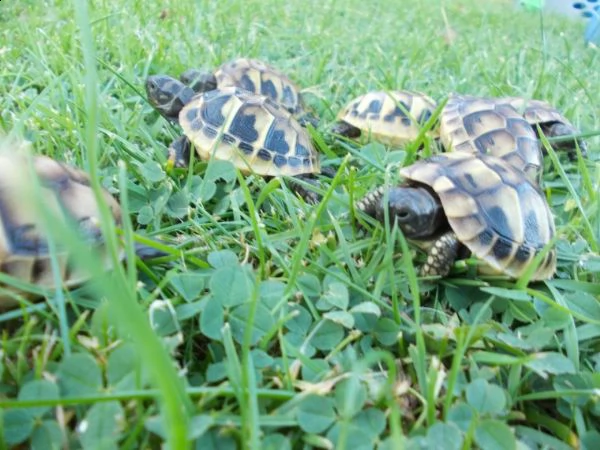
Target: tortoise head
(198, 80)
(415, 209)
(168, 95)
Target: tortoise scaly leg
(441, 256)
(308, 195)
(179, 152)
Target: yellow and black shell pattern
(551, 121)
(536, 111)
(260, 78)
(390, 117)
(493, 209)
(66, 192)
(251, 131)
(483, 125)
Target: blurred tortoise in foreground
(456, 203)
(254, 76)
(392, 118)
(66, 192)
(251, 131)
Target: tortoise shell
(253, 132)
(550, 120)
(66, 191)
(393, 118)
(536, 111)
(482, 125)
(260, 78)
(494, 210)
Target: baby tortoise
(254, 76)
(483, 125)
(551, 122)
(392, 118)
(460, 202)
(254, 133)
(505, 127)
(66, 191)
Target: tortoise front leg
(441, 256)
(308, 195)
(179, 152)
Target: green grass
(277, 324)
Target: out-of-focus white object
(585, 9)
(592, 31)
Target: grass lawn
(275, 324)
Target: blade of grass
(175, 403)
(222, 391)
(587, 230)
